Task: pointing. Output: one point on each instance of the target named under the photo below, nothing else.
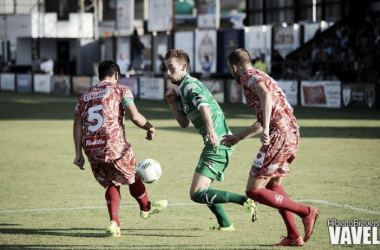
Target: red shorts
(118, 172)
(273, 160)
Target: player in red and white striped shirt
(99, 129)
(280, 139)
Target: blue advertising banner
(24, 82)
(228, 41)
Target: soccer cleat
(250, 206)
(155, 207)
(309, 222)
(113, 230)
(287, 242)
(217, 227)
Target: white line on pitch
(328, 203)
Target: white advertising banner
(309, 31)
(152, 88)
(258, 40)
(205, 47)
(124, 17)
(160, 15)
(7, 81)
(42, 83)
(291, 91)
(321, 94)
(184, 40)
(286, 39)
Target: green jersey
(193, 95)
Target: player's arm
(206, 115)
(230, 140)
(171, 97)
(266, 105)
(140, 121)
(77, 135)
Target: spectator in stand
(138, 52)
(36, 64)
(277, 65)
(47, 66)
(324, 69)
(123, 63)
(206, 66)
(344, 38)
(316, 57)
(261, 64)
(371, 38)
(304, 67)
(336, 50)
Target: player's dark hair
(239, 57)
(108, 68)
(180, 55)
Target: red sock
(138, 191)
(287, 216)
(113, 203)
(278, 201)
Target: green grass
(47, 203)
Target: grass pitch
(48, 203)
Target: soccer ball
(149, 170)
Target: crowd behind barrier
(308, 93)
(351, 53)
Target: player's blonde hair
(180, 55)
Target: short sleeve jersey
(282, 118)
(195, 94)
(102, 114)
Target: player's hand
(151, 134)
(230, 140)
(79, 161)
(171, 96)
(265, 138)
(212, 137)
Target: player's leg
(293, 235)
(198, 193)
(126, 172)
(138, 191)
(113, 198)
(211, 166)
(224, 224)
(112, 194)
(202, 192)
(256, 190)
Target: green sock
(220, 196)
(214, 196)
(221, 216)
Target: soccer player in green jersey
(199, 107)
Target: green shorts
(213, 162)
